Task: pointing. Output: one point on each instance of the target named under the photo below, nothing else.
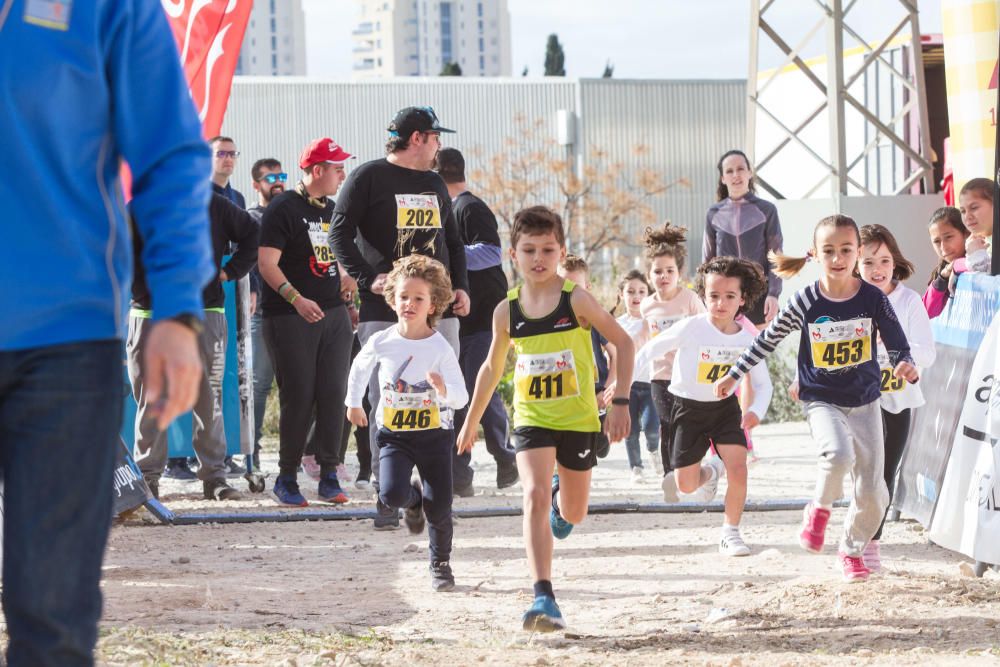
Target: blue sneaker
(329, 489)
(561, 528)
(286, 491)
(543, 616)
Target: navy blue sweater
(837, 354)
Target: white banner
(967, 516)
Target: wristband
(294, 297)
(619, 400)
(284, 287)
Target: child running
(421, 385)
(883, 265)
(948, 235)
(548, 321)
(670, 302)
(632, 289)
(840, 383)
(707, 345)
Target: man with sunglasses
(224, 156)
(390, 208)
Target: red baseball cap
(322, 150)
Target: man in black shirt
(229, 224)
(307, 328)
(224, 155)
(487, 288)
(388, 209)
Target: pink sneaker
(854, 568)
(814, 520)
(310, 466)
(872, 557)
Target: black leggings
(664, 401)
(896, 428)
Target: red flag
(209, 34)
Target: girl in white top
(882, 264)
(632, 289)
(707, 346)
(421, 385)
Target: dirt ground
(636, 588)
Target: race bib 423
(715, 362)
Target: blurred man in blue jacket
(84, 85)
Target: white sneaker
(732, 544)
(669, 486)
(637, 475)
(657, 463)
(706, 492)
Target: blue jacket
(84, 85)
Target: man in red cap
(396, 206)
(307, 327)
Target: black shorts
(575, 450)
(694, 425)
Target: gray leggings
(850, 442)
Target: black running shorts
(694, 425)
(574, 449)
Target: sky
(643, 39)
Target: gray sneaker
(386, 518)
(442, 579)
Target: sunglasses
(225, 154)
(271, 179)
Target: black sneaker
(179, 469)
(386, 518)
(507, 474)
(442, 580)
(414, 516)
(464, 491)
(153, 485)
(219, 489)
(232, 467)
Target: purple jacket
(746, 228)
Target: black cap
(415, 119)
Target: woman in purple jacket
(743, 225)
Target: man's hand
(770, 308)
(308, 309)
(171, 370)
(618, 423)
(355, 316)
(378, 285)
(357, 416)
(348, 286)
(724, 387)
(466, 437)
(462, 303)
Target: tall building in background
(275, 40)
(420, 37)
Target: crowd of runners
(380, 303)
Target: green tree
(609, 70)
(555, 59)
(451, 69)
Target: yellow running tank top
(554, 372)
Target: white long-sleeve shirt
(897, 394)
(409, 403)
(638, 330)
(705, 355)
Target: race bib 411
(546, 377)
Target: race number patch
(48, 13)
(546, 377)
(417, 212)
(410, 411)
(890, 383)
(715, 362)
(659, 324)
(837, 345)
(320, 240)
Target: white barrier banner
(967, 516)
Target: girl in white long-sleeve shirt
(882, 264)
(707, 346)
(421, 385)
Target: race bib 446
(417, 212)
(838, 345)
(410, 412)
(546, 377)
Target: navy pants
(642, 412)
(474, 350)
(430, 452)
(60, 413)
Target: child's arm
(894, 340)
(449, 383)
(617, 424)
(789, 319)
(488, 377)
(936, 296)
(610, 353)
(760, 381)
(655, 348)
(357, 382)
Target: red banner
(209, 34)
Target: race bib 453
(838, 345)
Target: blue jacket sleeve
(158, 132)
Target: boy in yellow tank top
(548, 320)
